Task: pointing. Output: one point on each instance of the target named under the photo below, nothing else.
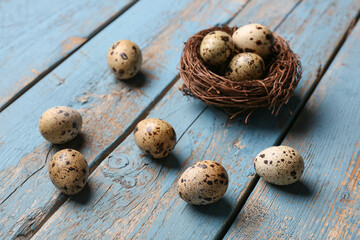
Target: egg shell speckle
(155, 137)
(203, 183)
(68, 171)
(246, 66)
(60, 124)
(255, 38)
(216, 48)
(124, 59)
(279, 165)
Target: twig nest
(272, 90)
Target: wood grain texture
(37, 34)
(108, 106)
(128, 189)
(325, 204)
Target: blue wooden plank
(108, 106)
(325, 203)
(149, 207)
(126, 180)
(37, 34)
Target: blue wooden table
(54, 53)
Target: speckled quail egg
(216, 48)
(255, 38)
(60, 124)
(245, 66)
(280, 165)
(155, 137)
(124, 59)
(203, 183)
(68, 171)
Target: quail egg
(203, 183)
(255, 38)
(155, 137)
(245, 66)
(124, 59)
(280, 165)
(216, 48)
(60, 124)
(68, 171)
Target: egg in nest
(216, 48)
(255, 38)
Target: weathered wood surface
(38, 34)
(325, 204)
(131, 196)
(109, 107)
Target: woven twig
(283, 74)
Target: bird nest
(283, 72)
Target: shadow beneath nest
(263, 118)
(259, 119)
(306, 119)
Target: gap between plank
(320, 73)
(60, 61)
